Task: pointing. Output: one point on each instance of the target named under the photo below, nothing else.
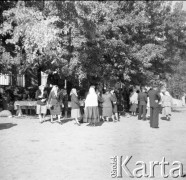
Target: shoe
(78, 123)
(41, 121)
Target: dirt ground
(33, 151)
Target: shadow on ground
(63, 121)
(7, 125)
(97, 124)
(175, 110)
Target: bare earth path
(33, 151)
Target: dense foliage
(135, 42)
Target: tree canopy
(136, 42)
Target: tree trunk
(14, 75)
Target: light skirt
(167, 110)
(41, 109)
(75, 113)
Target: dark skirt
(91, 114)
(133, 107)
(100, 110)
(115, 108)
(107, 111)
(65, 106)
(120, 107)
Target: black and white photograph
(92, 90)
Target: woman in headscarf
(107, 105)
(75, 106)
(41, 97)
(91, 107)
(167, 104)
(54, 103)
(183, 98)
(133, 102)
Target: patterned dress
(54, 100)
(107, 104)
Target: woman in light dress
(148, 102)
(134, 102)
(167, 104)
(148, 108)
(91, 107)
(183, 99)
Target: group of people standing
(53, 102)
(151, 101)
(98, 106)
(103, 105)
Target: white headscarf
(134, 98)
(92, 90)
(73, 91)
(92, 98)
(167, 93)
(54, 89)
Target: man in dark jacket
(142, 101)
(65, 102)
(155, 98)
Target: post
(65, 84)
